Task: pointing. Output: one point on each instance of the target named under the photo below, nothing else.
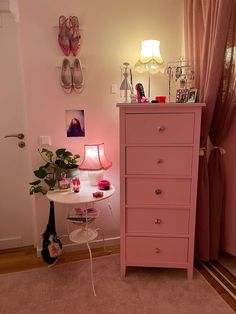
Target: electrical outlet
(45, 140)
(113, 88)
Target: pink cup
(161, 99)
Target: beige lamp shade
(150, 58)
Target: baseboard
(70, 247)
(10, 242)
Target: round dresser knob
(157, 250)
(157, 221)
(159, 161)
(158, 191)
(161, 128)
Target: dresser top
(173, 105)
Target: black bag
(51, 243)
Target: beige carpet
(66, 288)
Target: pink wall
(113, 31)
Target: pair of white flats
(71, 77)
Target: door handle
(20, 136)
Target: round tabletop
(85, 195)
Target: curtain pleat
(206, 28)
(220, 126)
(216, 189)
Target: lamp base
(95, 176)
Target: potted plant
(56, 163)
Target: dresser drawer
(148, 191)
(159, 221)
(159, 128)
(159, 160)
(146, 251)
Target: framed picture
(192, 95)
(75, 123)
(182, 95)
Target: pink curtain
(206, 29)
(220, 125)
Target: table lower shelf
(83, 235)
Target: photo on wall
(75, 123)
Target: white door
(16, 206)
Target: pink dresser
(159, 153)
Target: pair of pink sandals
(68, 37)
(71, 77)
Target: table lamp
(95, 162)
(150, 59)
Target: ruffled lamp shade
(150, 59)
(95, 162)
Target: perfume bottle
(64, 183)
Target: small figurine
(76, 184)
(126, 84)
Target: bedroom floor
(15, 260)
(229, 262)
(221, 275)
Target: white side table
(83, 198)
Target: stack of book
(82, 216)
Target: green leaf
(60, 163)
(44, 150)
(35, 182)
(72, 166)
(47, 153)
(67, 155)
(50, 182)
(46, 165)
(40, 173)
(38, 189)
(60, 151)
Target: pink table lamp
(95, 162)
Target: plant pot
(72, 172)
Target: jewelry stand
(180, 69)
